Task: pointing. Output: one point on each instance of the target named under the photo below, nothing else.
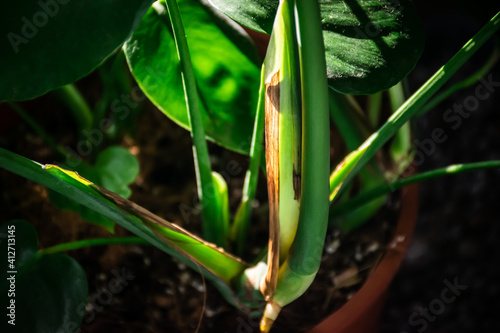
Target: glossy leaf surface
(47, 44)
(225, 66)
(370, 45)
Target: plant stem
(242, 218)
(462, 84)
(315, 140)
(40, 131)
(78, 106)
(368, 149)
(92, 242)
(401, 146)
(346, 121)
(300, 268)
(353, 133)
(120, 73)
(372, 194)
(211, 229)
(374, 109)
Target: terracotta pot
(361, 314)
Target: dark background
(458, 229)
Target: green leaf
(254, 14)
(65, 203)
(370, 45)
(218, 266)
(224, 64)
(47, 44)
(50, 291)
(115, 169)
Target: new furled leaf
(283, 138)
(298, 270)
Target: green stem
(353, 133)
(313, 219)
(242, 218)
(298, 271)
(115, 82)
(92, 242)
(344, 117)
(107, 91)
(40, 131)
(374, 109)
(119, 72)
(401, 146)
(74, 101)
(368, 149)
(212, 231)
(374, 193)
(397, 95)
(462, 84)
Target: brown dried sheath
(272, 134)
(147, 217)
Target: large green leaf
(47, 44)
(225, 66)
(47, 293)
(218, 266)
(254, 14)
(370, 44)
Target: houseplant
(214, 205)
